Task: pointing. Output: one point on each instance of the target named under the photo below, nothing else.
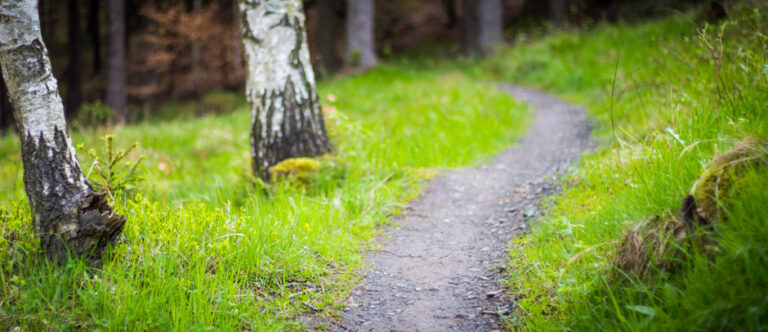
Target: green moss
(724, 174)
(295, 170)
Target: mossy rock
(295, 170)
(718, 181)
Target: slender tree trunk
(327, 31)
(116, 63)
(360, 44)
(94, 28)
(151, 73)
(470, 27)
(6, 113)
(286, 120)
(482, 26)
(196, 7)
(69, 217)
(237, 51)
(450, 13)
(558, 12)
(74, 85)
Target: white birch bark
(286, 120)
(68, 216)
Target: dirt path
(440, 270)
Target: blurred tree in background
(136, 55)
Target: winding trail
(440, 271)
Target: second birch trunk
(286, 120)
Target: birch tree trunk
(482, 26)
(286, 120)
(360, 23)
(69, 217)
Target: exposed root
(96, 227)
(652, 245)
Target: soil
(441, 270)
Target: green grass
(676, 106)
(205, 249)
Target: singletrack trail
(440, 270)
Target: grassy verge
(203, 248)
(684, 92)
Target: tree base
(96, 227)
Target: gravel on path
(440, 270)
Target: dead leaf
(329, 109)
(163, 167)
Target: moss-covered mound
(659, 244)
(724, 174)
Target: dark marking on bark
(247, 32)
(296, 51)
(70, 218)
(299, 134)
(285, 21)
(30, 59)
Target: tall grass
(686, 91)
(205, 248)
